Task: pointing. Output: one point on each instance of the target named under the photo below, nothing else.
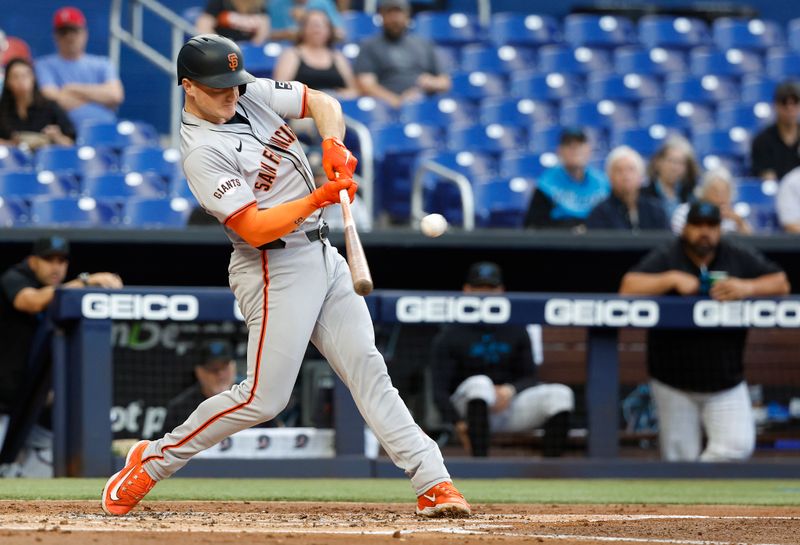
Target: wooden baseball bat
(362, 279)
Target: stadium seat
(117, 135)
(678, 115)
(597, 30)
(755, 200)
(502, 202)
(477, 85)
(735, 165)
(705, 89)
(622, 87)
(77, 161)
(758, 89)
(568, 60)
(645, 140)
(537, 86)
(12, 158)
(731, 62)
(449, 57)
(27, 185)
(493, 138)
(260, 60)
(526, 164)
(441, 111)
(523, 30)
(359, 25)
(179, 187)
(523, 112)
(13, 212)
(749, 116)
(794, 34)
(164, 162)
(447, 28)
(72, 212)
(368, 110)
(604, 114)
(487, 58)
(672, 32)
(156, 213)
(783, 63)
(754, 34)
(120, 186)
(733, 142)
(648, 62)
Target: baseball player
(246, 168)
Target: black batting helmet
(213, 61)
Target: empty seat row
(111, 186)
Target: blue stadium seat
(526, 164)
(705, 89)
(487, 58)
(502, 202)
(568, 60)
(598, 30)
(605, 114)
(758, 89)
(117, 135)
(358, 25)
(737, 114)
(120, 186)
(27, 185)
(645, 140)
(72, 212)
(672, 32)
(794, 34)
(369, 110)
(164, 162)
(156, 213)
(179, 187)
(756, 34)
(679, 115)
(13, 212)
(546, 139)
(12, 158)
(494, 138)
(77, 161)
(447, 28)
(441, 111)
(783, 63)
(622, 87)
(731, 62)
(756, 201)
(523, 30)
(477, 85)
(523, 112)
(449, 57)
(536, 86)
(649, 62)
(735, 165)
(733, 142)
(260, 60)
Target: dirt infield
(176, 523)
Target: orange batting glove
(337, 159)
(329, 193)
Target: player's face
(672, 166)
(625, 177)
(787, 110)
(50, 270)
(214, 105)
(395, 22)
(718, 193)
(575, 154)
(316, 31)
(702, 238)
(71, 41)
(20, 80)
(216, 377)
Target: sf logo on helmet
(233, 61)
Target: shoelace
(137, 489)
(447, 488)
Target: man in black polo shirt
(697, 374)
(776, 149)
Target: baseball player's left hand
(731, 289)
(329, 192)
(337, 159)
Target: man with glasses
(776, 149)
(86, 86)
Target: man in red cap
(86, 86)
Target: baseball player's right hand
(329, 193)
(337, 159)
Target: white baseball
(433, 225)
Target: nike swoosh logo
(114, 490)
(432, 497)
(239, 149)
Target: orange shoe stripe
(265, 269)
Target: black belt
(320, 233)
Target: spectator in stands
(788, 202)
(239, 20)
(484, 378)
(26, 117)
(397, 66)
(566, 193)
(26, 290)
(314, 61)
(287, 15)
(697, 375)
(86, 86)
(13, 48)
(776, 149)
(673, 173)
(715, 187)
(627, 207)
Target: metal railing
(461, 182)
(179, 29)
(367, 162)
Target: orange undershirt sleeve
(258, 227)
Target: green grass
(731, 492)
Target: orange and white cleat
(443, 500)
(129, 485)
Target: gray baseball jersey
(288, 296)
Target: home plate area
(79, 522)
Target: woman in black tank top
(314, 61)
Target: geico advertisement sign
(593, 312)
(464, 309)
(746, 313)
(127, 306)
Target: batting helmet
(213, 61)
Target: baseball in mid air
(433, 225)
